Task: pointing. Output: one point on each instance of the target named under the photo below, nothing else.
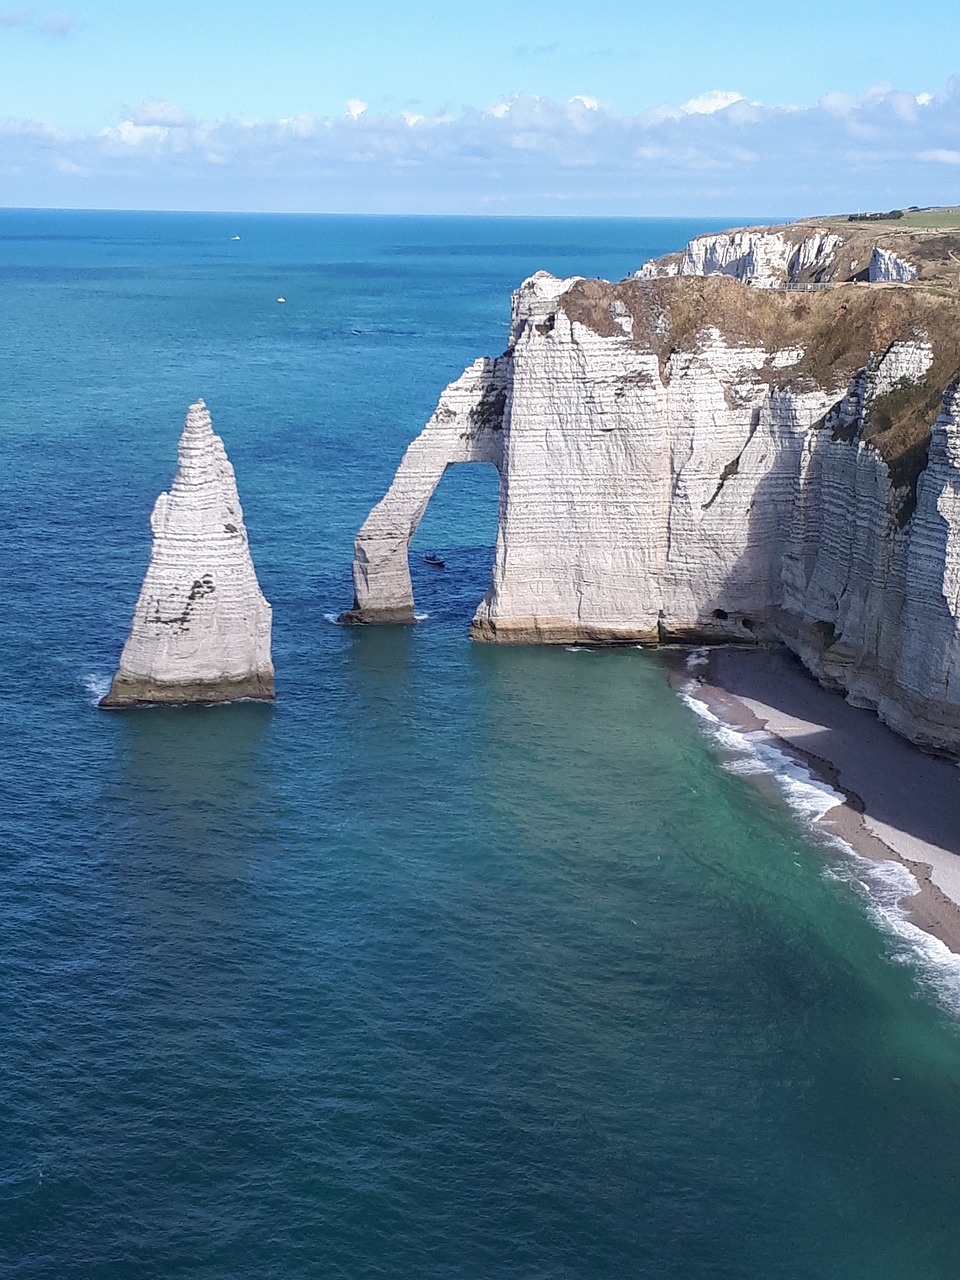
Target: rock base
(556, 631)
(125, 692)
(357, 617)
(562, 631)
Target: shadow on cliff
(898, 783)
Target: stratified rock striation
(685, 458)
(803, 255)
(767, 258)
(466, 427)
(201, 628)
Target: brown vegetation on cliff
(838, 329)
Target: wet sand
(902, 803)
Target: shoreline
(901, 804)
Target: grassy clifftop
(839, 331)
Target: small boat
(435, 560)
(234, 237)
(281, 299)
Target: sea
(460, 961)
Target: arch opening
(459, 527)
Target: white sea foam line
(881, 885)
(96, 686)
(335, 617)
(807, 795)
(699, 658)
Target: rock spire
(201, 628)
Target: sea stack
(201, 629)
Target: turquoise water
(458, 962)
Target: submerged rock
(201, 628)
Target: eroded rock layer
(201, 628)
(690, 459)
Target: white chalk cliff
(201, 627)
(767, 259)
(693, 460)
(804, 254)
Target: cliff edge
(698, 456)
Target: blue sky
(560, 107)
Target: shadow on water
(188, 815)
(193, 765)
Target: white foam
(756, 751)
(96, 686)
(335, 617)
(699, 658)
(881, 885)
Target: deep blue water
(460, 961)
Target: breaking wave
(335, 617)
(881, 885)
(96, 686)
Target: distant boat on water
(434, 560)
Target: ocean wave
(335, 617)
(97, 686)
(756, 751)
(881, 885)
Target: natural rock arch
(466, 427)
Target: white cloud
(61, 24)
(940, 156)
(157, 111)
(302, 126)
(57, 24)
(708, 103)
(715, 153)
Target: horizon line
(314, 213)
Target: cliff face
(768, 259)
(201, 627)
(689, 459)
(805, 254)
